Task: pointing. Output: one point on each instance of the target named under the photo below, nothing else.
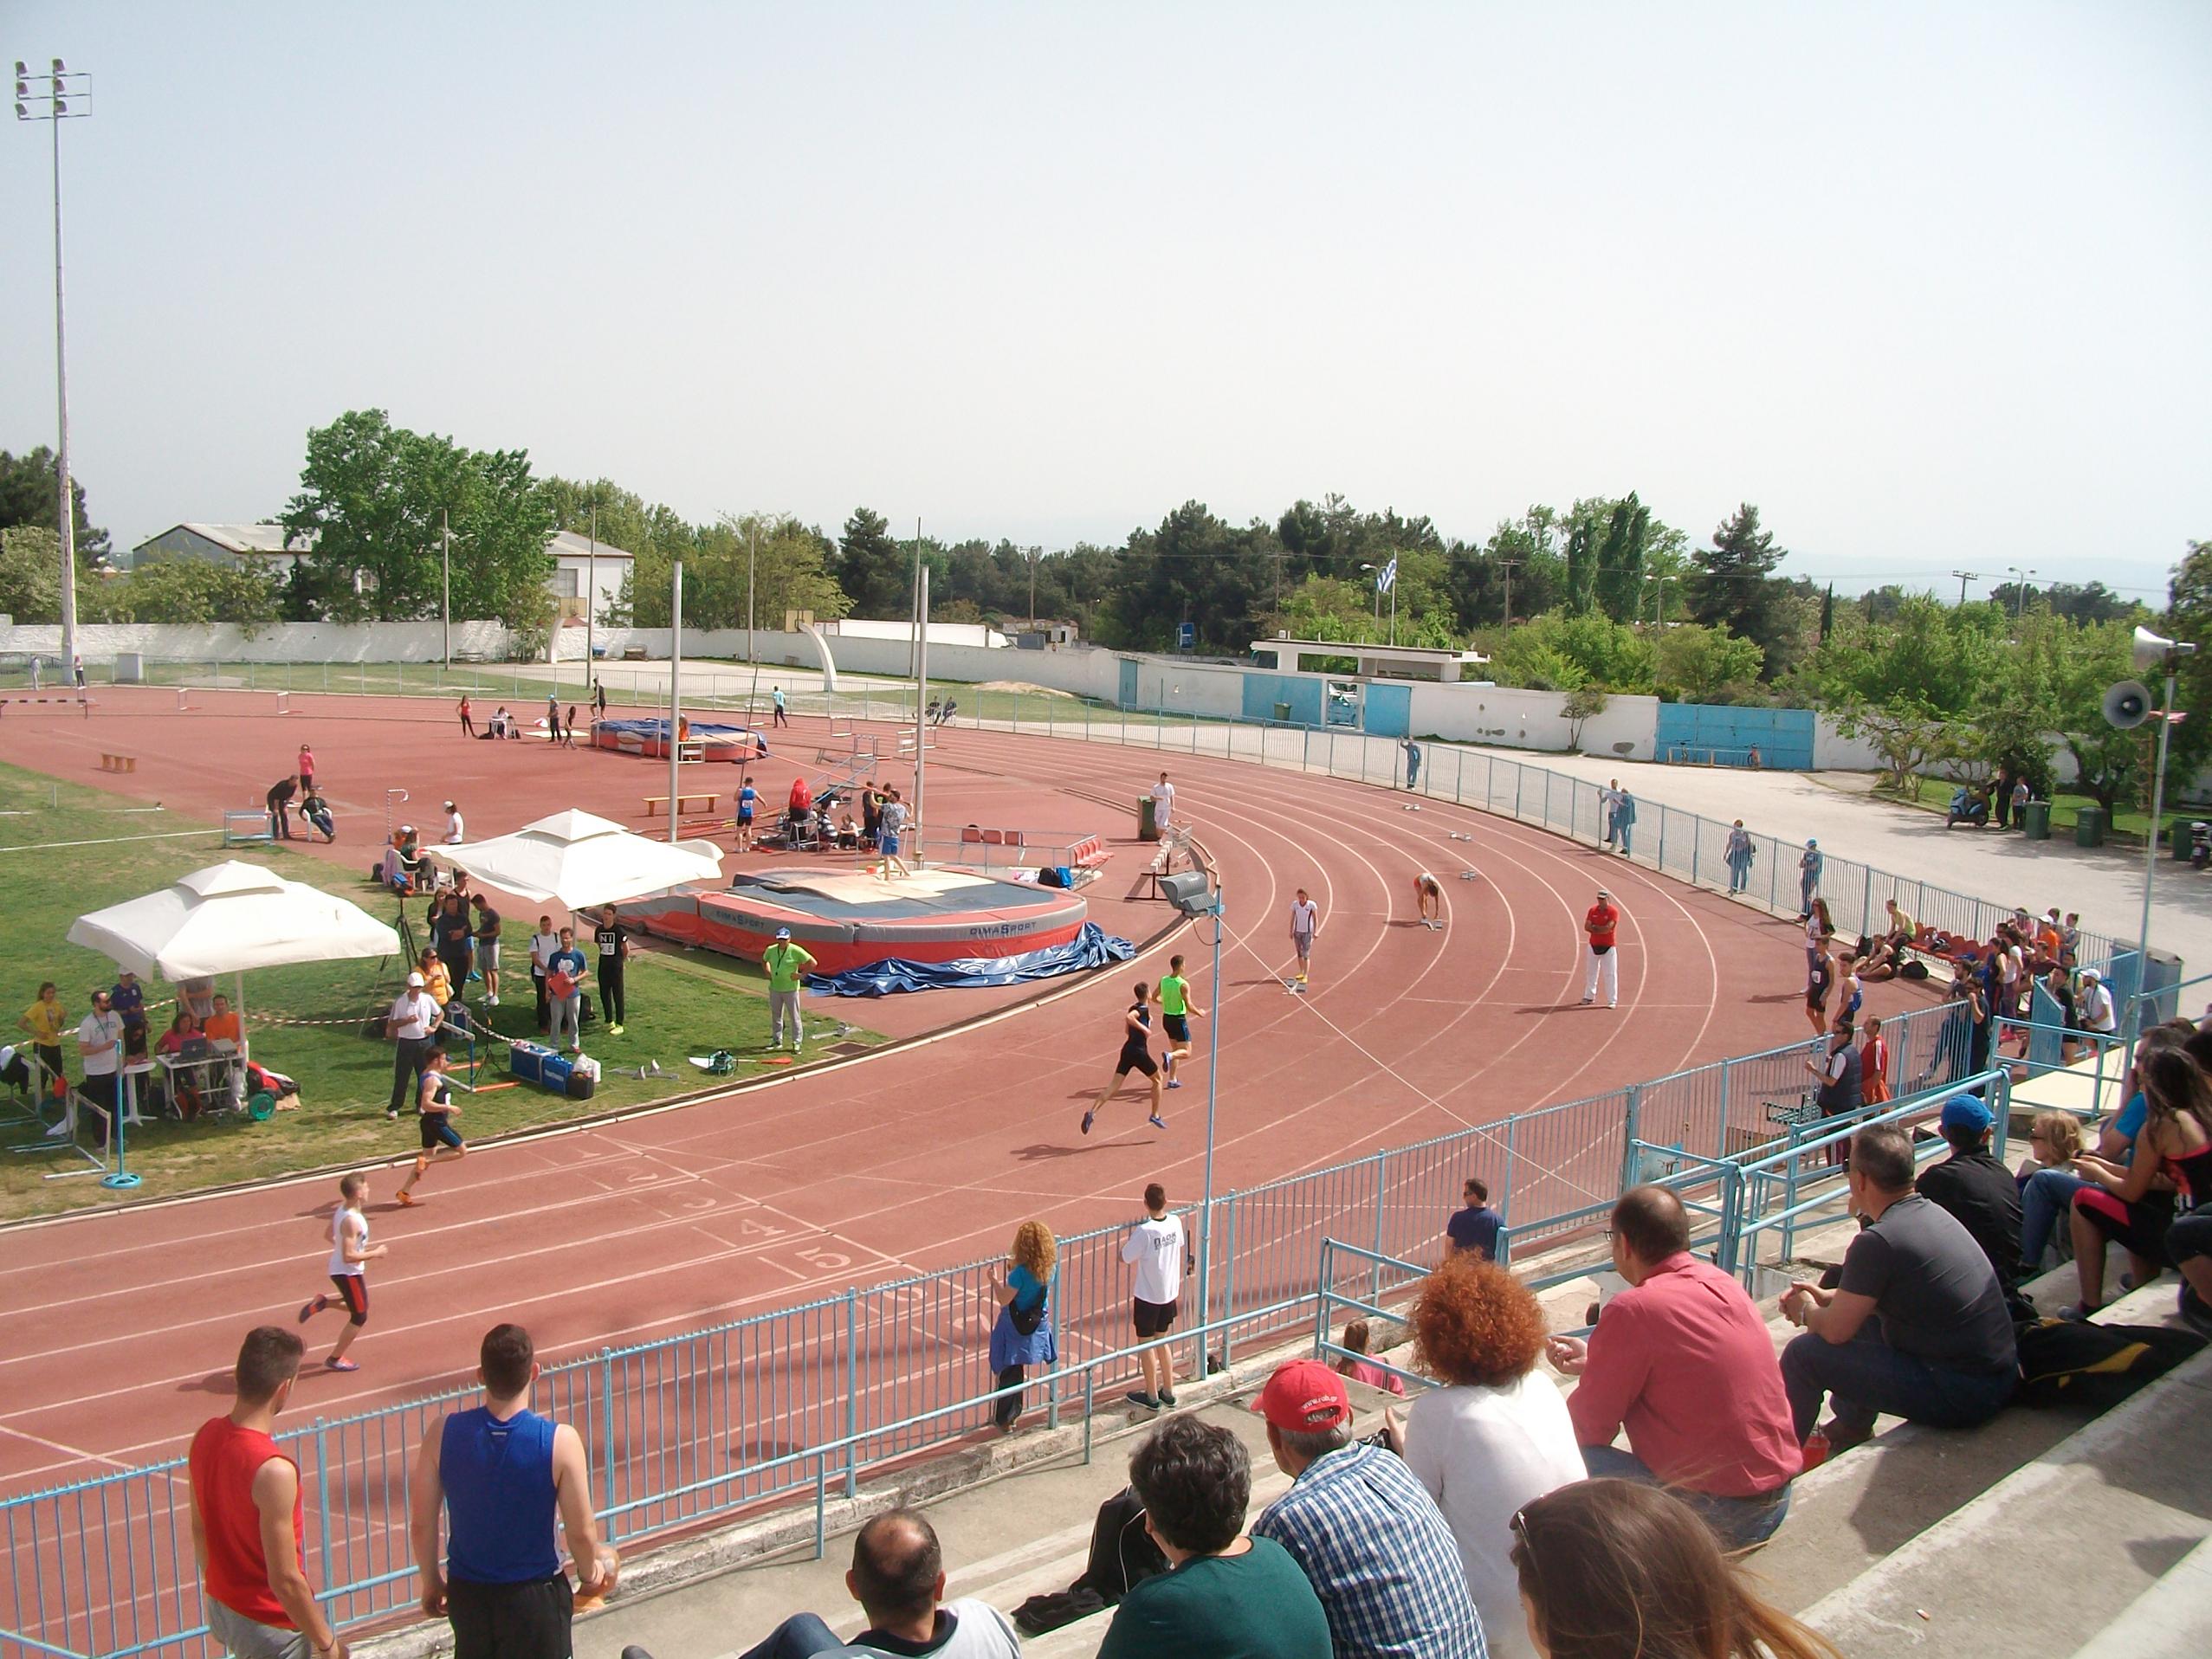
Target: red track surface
(117, 1330)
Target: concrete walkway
(2104, 884)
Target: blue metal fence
(709, 1424)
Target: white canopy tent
(576, 858)
(230, 918)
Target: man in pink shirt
(1684, 1361)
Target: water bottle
(1816, 1451)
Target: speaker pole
(2150, 850)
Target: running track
(117, 1329)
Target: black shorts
(1178, 1026)
(438, 1131)
(1152, 1319)
(490, 1620)
(352, 1296)
(1136, 1059)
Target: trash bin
(2089, 827)
(2180, 836)
(1283, 713)
(1147, 818)
(2035, 820)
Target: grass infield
(679, 1004)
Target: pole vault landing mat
(847, 919)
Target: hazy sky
(1927, 283)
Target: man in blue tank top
(502, 1472)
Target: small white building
(581, 568)
(1375, 661)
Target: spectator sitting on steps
(1618, 1570)
(898, 1578)
(1979, 1192)
(1223, 1594)
(1918, 1326)
(1682, 1359)
(1370, 1539)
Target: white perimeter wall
(1464, 713)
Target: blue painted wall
(1263, 691)
(1784, 737)
(1390, 710)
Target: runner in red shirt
(246, 1515)
(1599, 959)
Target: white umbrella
(227, 919)
(577, 860)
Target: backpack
(2096, 1366)
(1122, 1556)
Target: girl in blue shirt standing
(1022, 1335)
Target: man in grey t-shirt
(1917, 1327)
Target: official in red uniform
(1599, 959)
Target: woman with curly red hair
(1495, 1436)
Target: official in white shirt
(415, 1018)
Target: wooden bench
(654, 803)
(118, 763)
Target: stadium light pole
(52, 107)
(1192, 895)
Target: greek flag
(1387, 577)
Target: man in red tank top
(246, 1516)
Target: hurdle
(186, 706)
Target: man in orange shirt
(222, 1026)
(246, 1529)
(1599, 959)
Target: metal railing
(713, 1423)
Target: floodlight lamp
(22, 114)
(60, 67)
(22, 68)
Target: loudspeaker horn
(2152, 649)
(2128, 704)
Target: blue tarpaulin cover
(1094, 948)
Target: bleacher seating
(1919, 1541)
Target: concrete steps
(2107, 1511)
(1915, 1542)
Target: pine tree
(1736, 588)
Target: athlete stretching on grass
(1136, 1055)
(350, 1256)
(1175, 1009)
(441, 1141)
(1428, 898)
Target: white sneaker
(491, 1000)
(58, 1130)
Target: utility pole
(676, 693)
(1964, 577)
(445, 585)
(1509, 566)
(1034, 553)
(591, 597)
(62, 85)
